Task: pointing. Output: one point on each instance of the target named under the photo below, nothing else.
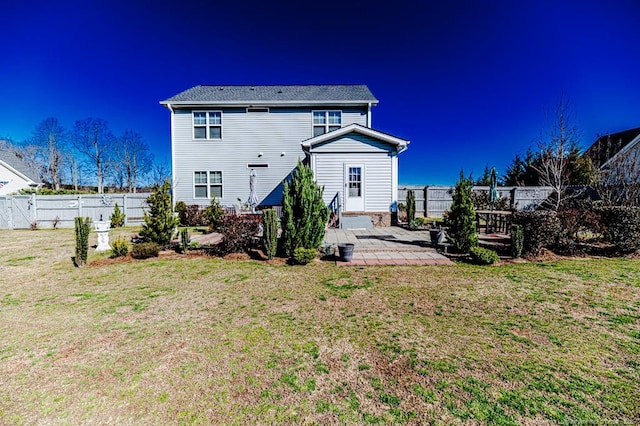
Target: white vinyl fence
(433, 201)
(48, 211)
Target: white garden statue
(102, 228)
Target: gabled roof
(399, 144)
(16, 164)
(274, 95)
(606, 147)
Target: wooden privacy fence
(433, 201)
(49, 211)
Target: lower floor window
(207, 184)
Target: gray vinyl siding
(352, 143)
(377, 177)
(244, 136)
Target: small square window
(326, 121)
(207, 124)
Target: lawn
(205, 340)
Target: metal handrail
(335, 211)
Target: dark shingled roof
(607, 146)
(16, 162)
(274, 94)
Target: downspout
(369, 115)
(173, 161)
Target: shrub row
(619, 226)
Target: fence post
(426, 201)
(124, 209)
(35, 208)
(79, 205)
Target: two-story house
(220, 135)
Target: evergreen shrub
(145, 250)
(270, 232)
(160, 220)
(517, 240)
(621, 227)
(304, 213)
(181, 209)
(213, 213)
(82, 229)
(117, 217)
(461, 218)
(303, 256)
(411, 208)
(541, 229)
(483, 256)
(119, 247)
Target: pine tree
(462, 217)
(117, 217)
(304, 213)
(82, 228)
(159, 220)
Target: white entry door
(353, 187)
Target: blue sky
(467, 82)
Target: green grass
(210, 341)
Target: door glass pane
(355, 181)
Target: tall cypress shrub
(411, 207)
(160, 220)
(461, 219)
(82, 228)
(304, 213)
(270, 232)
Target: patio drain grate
(375, 237)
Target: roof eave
(400, 144)
(245, 103)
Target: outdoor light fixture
(259, 154)
(282, 154)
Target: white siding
(244, 136)
(14, 182)
(353, 142)
(377, 177)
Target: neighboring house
(608, 149)
(221, 134)
(15, 174)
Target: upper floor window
(326, 121)
(207, 124)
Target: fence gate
(21, 211)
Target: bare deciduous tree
(93, 139)
(559, 163)
(50, 137)
(134, 159)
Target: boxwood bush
(302, 256)
(119, 247)
(483, 256)
(145, 250)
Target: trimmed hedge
(302, 255)
(483, 256)
(145, 250)
(621, 227)
(541, 229)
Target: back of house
(222, 135)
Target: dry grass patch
(196, 340)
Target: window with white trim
(207, 184)
(326, 121)
(207, 124)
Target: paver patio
(386, 246)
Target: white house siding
(276, 134)
(10, 181)
(329, 171)
(351, 143)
